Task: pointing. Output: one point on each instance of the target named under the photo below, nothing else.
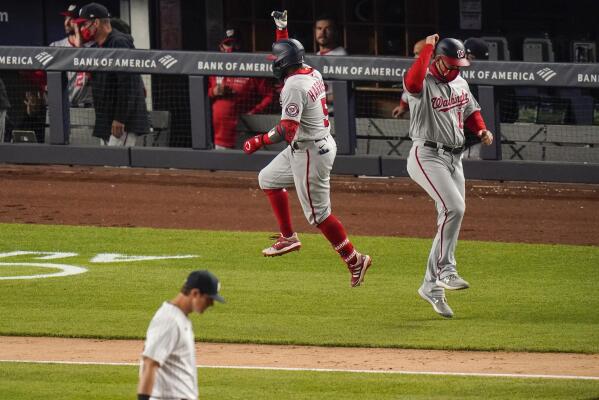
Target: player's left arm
(474, 121)
(280, 18)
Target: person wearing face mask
(441, 105)
(119, 98)
(79, 87)
(235, 95)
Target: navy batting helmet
(286, 53)
(453, 52)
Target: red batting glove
(253, 144)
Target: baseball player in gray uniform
(441, 105)
(168, 365)
(308, 160)
(80, 91)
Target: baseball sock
(333, 230)
(279, 201)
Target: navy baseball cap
(206, 282)
(91, 11)
(477, 47)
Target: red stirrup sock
(279, 201)
(333, 230)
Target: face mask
(448, 76)
(86, 33)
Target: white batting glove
(280, 19)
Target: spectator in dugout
(119, 98)
(402, 109)
(232, 96)
(326, 35)
(79, 87)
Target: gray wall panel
(44, 154)
(234, 160)
(357, 165)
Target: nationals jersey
(80, 90)
(438, 112)
(303, 99)
(170, 342)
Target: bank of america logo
(546, 73)
(44, 58)
(168, 61)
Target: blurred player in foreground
(168, 365)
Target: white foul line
(360, 371)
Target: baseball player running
(308, 160)
(441, 105)
(168, 366)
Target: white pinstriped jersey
(170, 342)
(438, 112)
(303, 99)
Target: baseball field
(88, 254)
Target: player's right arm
(414, 79)
(147, 378)
(292, 104)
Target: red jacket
(242, 95)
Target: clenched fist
(485, 136)
(253, 144)
(432, 39)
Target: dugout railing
(342, 72)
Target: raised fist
(432, 39)
(280, 19)
(253, 144)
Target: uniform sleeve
(414, 78)
(471, 106)
(292, 103)
(161, 338)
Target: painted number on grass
(67, 270)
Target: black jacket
(4, 102)
(119, 96)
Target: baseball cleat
(453, 282)
(283, 245)
(358, 270)
(439, 303)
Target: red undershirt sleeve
(414, 78)
(281, 34)
(475, 122)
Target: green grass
(523, 297)
(65, 382)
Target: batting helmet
(453, 52)
(286, 53)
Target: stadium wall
(342, 70)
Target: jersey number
(325, 111)
(460, 120)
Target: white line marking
(114, 258)
(66, 270)
(360, 371)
